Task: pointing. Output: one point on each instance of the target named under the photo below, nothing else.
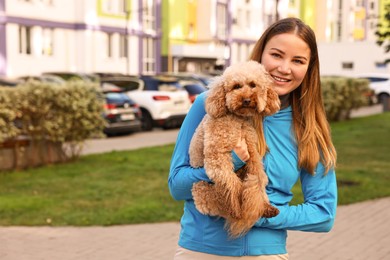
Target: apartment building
(80, 36)
(345, 32)
(148, 36)
(211, 34)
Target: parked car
(108, 74)
(122, 114)
(203, 79)
(193, 89)
(6, 82)
(380, 83)
(74, 76)
(162, 102)
(52, 79)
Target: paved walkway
(361, 232)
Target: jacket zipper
(246, 245)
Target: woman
(300, 147)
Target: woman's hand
(241, 150)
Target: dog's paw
(200, 193)
(203, 208)
(270, 211)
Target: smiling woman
(299, 147)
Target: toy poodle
(243, 92)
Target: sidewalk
(361, 232)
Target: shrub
(341, 95)
(8, 114)
(55, 119)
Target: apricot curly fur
(244, 91)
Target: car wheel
(384, 99)
(147, 121)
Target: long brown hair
(311, 127)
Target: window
(221, 20)
(239, 54)
(148, 56)
(339, 19)
(248, 18)
(114, 6)
(360, 3)
(238, 19)
(347, 65)
(123, 6)
(25, 39)
(46, 2)
(148, 15)
(123, 48)
(109, 45)
(47, 41)
(380, 65)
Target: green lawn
(131, 186)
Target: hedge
(341, 95)
(46, 115)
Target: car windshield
(195, 88)
(377, 79)
(161, 83)
(118, 98)
(127, 85)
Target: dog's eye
(237, 86)
(252, 85)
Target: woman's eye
(237, 86)
(276, 55)
(298, 61)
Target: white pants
(185, 254)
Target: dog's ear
(216, 101)
(273, 102)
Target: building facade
(345, 32)
(150, 36)
(79, 36)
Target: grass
(131, 186)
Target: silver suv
(380, 83)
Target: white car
(380, 83)
(162, 103)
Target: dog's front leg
(220, 139)
(254, 186)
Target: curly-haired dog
(243, 92)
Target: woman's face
(286, 57)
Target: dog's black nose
(246, 102)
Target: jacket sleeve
(181, 175)
(318, 211)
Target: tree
(383, 31)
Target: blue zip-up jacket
(268, 236)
